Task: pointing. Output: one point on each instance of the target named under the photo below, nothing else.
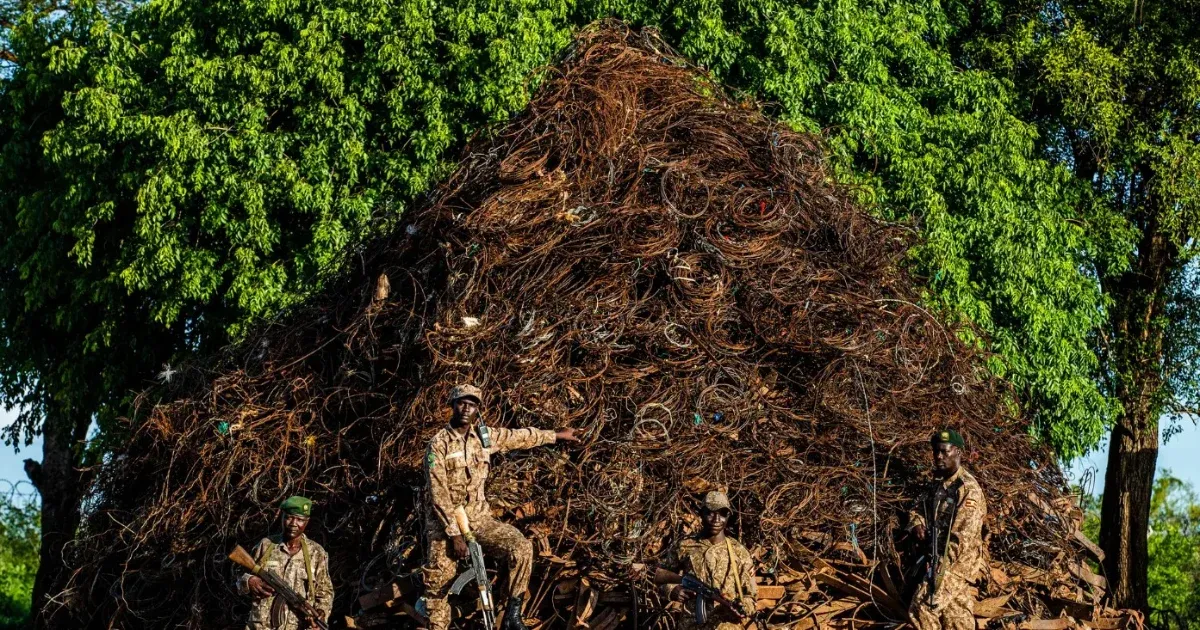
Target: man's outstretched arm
(519, 439)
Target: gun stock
(243, 559)
(663, 576)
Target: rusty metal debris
(671, 272)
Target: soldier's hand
(919, 532)
(312, 616)
(565, 435)
(458, 547)
(260, 588)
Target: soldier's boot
(512, 616)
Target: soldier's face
(714, 521)
(466, 410)
(294, 525)
(946, 458)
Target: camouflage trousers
(497, 539)
(953, 606)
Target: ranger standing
(456, 465)
(948, 521)
(717, 560)
(301, 563)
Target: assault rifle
(477, 571)
(704, 593)
(293, 599)
(933, 567)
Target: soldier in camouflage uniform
(302, 563)
(456, 466)
(956, 504)
(717, 560)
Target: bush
(20, 522)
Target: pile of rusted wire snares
(638, 257)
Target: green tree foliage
(1174, 574)
(173, 172)
(1174, 543)
(19, 526)
(1114, 87)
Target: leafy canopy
(1114, 86)
(173, 173)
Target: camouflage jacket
(457, 467)
(959, 518)
(714, 565)
(308, 576)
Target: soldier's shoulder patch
(970, 503)
(430, 459)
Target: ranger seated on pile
(948, 521)
(302, 563)
(456, 466)
(717, 561)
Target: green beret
(296, 505)
(947, 436)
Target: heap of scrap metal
(669, 271)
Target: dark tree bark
(61, 484)
(1136, 349)
(1125, 512)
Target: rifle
(703, 592)
(933, 568)
(293, 599)
(477, 571)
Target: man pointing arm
(457, 464)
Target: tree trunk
(1125, 511)
(61, 485)
(1137, 336)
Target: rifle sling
(737, 574)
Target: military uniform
(726, 566)
(959, 515)
(307, 572)
(456, 469)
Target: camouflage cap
(297, 505)
(947, 436)
(716, 500)
(466, 390)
